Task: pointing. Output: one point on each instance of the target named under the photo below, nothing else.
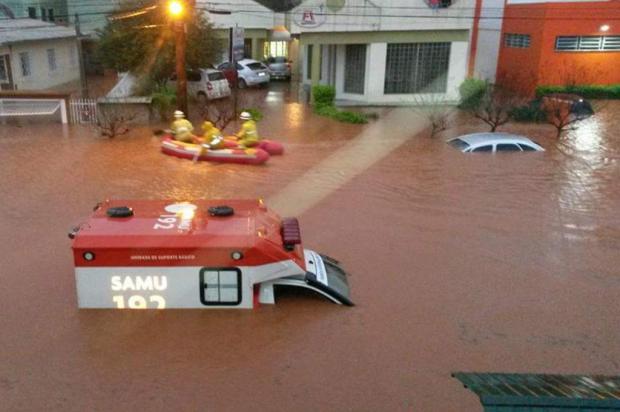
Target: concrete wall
(381, 15)
(41, 77)
(245, 13)
(489, 39)
(525, 68)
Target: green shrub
(588, 91)
(341, 115)
(351, 117)
(530, 112)
(257, 115)
(471, 91)
(323, 95)
(164, 99)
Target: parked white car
(250, 72)
(207, 84)
(494, 142)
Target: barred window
(587, 43)
(355, 68)
(417, 68)
(520, 41)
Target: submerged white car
(494, 142)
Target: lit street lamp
(176, 10)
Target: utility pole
(180, 66)
(78, 35)
(177, 10)
(233, 61)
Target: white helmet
(179, 114)
(245, 116)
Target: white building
(35, 55)
(257, 21)
(384, 51)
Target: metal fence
(83, 111)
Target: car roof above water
(477, 139)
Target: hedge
(324, 106)
(587, 91)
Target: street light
(176, 10)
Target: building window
(220, 286)
(50, 14)
(417, 68)
(276, 49)
(43, 14)
(309, 62)
(4, 68)
(51, 59)
(32, 12)
(355, 68)
(24, 62)
(519, 41)
(587, 43)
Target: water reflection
(587, 136)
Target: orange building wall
(523, 69)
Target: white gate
(83, 111)
(32, 106)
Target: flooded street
(498, 263)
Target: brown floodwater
(504, 263)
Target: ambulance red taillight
(291, 235)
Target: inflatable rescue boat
(253, 156)
(273, 147)
(158, 254)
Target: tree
(141, 40)
(434, 109)
(495, 106)
(560, 114)
(221, 112)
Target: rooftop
(160, 223)
(22, 30)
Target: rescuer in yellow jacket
(247, 135)
(212, 136)
(182, 128)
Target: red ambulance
(156, 254)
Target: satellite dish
(335, 5)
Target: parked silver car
(279, 68)
(494, 142)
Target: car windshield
(216, 76)
(277, 60)
(458, 144)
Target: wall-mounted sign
(310, 16)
